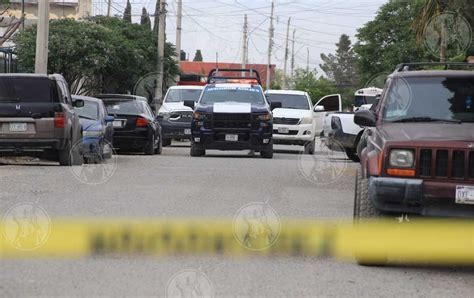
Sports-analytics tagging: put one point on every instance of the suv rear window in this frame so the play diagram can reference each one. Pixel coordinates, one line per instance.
(27, 90)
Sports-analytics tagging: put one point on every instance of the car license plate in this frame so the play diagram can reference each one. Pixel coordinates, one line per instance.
(465, 194)
(283, 130)
(232, 138)
(187, 131)
(117, 123)
(17, 127)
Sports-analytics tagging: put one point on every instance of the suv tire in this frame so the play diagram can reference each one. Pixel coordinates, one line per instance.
(159, 148)
(197, 152)
(67, 157)
(166, 142)
(365, 209)
(268, 153)
(309, 147)
(352, 154)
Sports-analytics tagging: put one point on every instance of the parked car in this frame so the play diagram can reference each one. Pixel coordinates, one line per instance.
(37, 118)
(97, 129)
(174, 116)
(295, 122)
(232, 114)
(340, 132)
(419, 157)
(135, 126)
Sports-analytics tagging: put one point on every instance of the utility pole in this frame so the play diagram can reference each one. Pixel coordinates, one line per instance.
(22, 14)
(270, 46)
(293, 58)
(179, 20)
(245, 47)
(161, 54)
(284, 85)
(109, 5)
(307, 59)
(42, 33)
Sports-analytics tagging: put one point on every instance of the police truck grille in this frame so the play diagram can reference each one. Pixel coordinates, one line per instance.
(241, 121)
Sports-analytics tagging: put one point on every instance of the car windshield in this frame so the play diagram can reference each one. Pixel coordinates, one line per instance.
(27, 90)
(290, 101)
(180, 95)
(434, 98)
(90, 110)
(124, 107)
(217, 94)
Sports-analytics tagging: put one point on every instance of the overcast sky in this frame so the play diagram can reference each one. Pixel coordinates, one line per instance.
(216, 25)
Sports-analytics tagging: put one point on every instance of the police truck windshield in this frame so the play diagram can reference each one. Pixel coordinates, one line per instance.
(217, 94)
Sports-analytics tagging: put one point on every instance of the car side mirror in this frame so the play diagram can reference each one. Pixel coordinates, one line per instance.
(275, 105)
(78, 103)
(365, 118)
(189, 103)
(109, 119)
(319, 109)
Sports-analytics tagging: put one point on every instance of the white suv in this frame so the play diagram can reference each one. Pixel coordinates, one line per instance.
(294, 123)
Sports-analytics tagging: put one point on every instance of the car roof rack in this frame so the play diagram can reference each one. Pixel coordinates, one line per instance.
(418, 65)
(214, 76)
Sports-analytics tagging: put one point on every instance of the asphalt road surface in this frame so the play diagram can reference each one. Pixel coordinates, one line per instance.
(215, 186)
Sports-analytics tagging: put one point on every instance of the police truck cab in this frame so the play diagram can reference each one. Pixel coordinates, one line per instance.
(232, 114)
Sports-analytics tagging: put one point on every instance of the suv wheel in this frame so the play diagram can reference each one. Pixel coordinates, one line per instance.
(309, 147)
(267, 153)
(150, 147)
(69, 157)
(197, 152)
(352, 154)
(365, 209)
(166, 142)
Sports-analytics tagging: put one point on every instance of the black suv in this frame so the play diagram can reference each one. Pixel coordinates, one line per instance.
(232, 114)
(37, 118)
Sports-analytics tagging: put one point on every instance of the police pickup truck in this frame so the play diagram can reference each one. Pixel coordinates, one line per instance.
(232, 114)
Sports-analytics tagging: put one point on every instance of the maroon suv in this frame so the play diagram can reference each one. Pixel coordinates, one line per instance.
(419, 157)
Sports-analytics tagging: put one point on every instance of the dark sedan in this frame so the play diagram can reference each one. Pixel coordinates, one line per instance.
(135, 126)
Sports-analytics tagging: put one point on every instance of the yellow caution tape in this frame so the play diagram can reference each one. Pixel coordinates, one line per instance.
(420, 241)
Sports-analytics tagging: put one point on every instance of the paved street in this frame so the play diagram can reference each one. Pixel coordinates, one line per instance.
(215, 186)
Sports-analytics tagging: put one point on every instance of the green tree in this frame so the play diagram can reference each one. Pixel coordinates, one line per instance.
(341, 67)
(316, 87)
(100, 55)
(127, 14)
(145, 19)
(198, 56)
(389, 39)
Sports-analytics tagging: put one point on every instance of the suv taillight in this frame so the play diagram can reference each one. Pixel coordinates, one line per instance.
(141, 122)
(59, 120)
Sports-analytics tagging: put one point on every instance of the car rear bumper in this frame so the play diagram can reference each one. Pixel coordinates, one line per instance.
(134, 139)
(416, 196)
(209, 139)
(170, 130)
(21, 145)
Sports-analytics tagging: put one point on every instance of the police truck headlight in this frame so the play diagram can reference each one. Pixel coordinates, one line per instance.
(402, 158)
(306, 120)
(199, 116)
